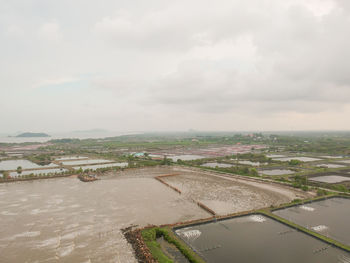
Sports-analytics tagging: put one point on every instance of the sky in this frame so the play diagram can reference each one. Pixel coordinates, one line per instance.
(160, 65)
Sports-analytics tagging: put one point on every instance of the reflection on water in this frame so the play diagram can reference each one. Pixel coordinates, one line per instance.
(67, 220)
(257, 239)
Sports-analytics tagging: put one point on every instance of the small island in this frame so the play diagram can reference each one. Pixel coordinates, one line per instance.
(32, 134)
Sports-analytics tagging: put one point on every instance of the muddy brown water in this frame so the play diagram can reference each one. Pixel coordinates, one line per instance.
(257, 239)
(330, 217)
(226, 196)
(66, 220)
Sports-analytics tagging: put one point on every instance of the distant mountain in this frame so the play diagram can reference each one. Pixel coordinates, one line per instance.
(33, 134)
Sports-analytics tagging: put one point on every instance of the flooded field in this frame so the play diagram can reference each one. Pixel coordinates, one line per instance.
(330, 217)
(275, 156)
(330, 165)
(345, 161)
(277, 172)
(97, 166)
(227, 195)
(221, 165)
(332, 179)
(66, 220)
(25, 164)
(257, 239)
(42, 171)
(331, 156)
(302, 159)
(64, 158)
(250, 163)
(90, 161)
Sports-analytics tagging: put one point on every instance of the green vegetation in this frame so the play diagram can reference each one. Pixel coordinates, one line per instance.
(40, 159)
(294, 162)
(151, 234)
(300, 182)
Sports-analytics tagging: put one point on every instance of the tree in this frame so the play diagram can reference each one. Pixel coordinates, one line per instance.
(294, 162)
(19, 169)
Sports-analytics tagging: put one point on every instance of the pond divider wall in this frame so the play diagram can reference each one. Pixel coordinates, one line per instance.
(201, 205)
(159, 178)
(309, 201)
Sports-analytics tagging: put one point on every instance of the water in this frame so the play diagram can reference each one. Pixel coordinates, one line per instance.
(90, 161)
(221, 165)
(66, 220)
(25, 164)
(249, 163)
(331, 156)
(345, 161)
(36, 172)
(256, 239)
(303, 159)
(330, 179)
(226, 195)
(275, 155)
(330, 165)
(65, 158)
(277, 172)
(97, 166)
(334, 213)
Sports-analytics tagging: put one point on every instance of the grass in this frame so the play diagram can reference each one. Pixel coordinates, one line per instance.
(150, 236)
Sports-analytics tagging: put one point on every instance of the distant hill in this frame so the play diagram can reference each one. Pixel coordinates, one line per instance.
(33, 134)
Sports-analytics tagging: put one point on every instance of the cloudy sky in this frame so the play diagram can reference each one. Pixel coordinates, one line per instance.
(174, 65)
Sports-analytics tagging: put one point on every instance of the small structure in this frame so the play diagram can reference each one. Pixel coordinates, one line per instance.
(87, 178)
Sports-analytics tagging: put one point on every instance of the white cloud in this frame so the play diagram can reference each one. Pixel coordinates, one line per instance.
(50, 31)
(262, 63)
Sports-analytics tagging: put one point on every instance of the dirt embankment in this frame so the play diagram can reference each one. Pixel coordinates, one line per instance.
(142, 252)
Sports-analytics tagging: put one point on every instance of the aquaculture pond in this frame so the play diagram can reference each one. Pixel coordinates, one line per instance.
(220, 165)
(345, 161)
(66, 220)
(36, 172)
(250, 163)
(330, 217)
(277, 172)
(90, 161)
(256, 238)
(302, 159)
(330, 165)
(65, 158)
(25, 164)
(331, 179)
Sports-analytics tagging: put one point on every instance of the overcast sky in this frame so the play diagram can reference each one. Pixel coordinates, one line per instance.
(174, 65)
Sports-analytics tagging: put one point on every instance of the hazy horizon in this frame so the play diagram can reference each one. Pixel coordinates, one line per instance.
(173, 66)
